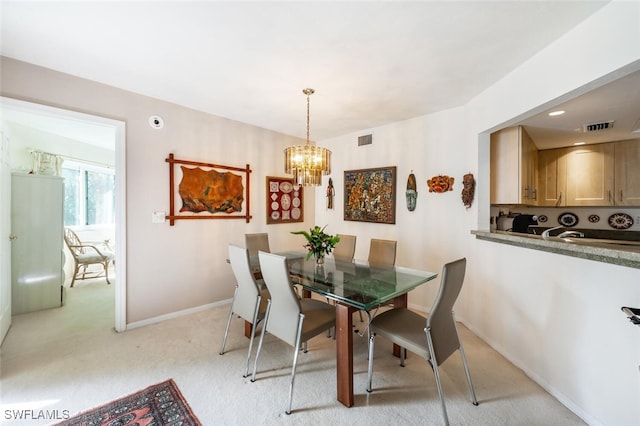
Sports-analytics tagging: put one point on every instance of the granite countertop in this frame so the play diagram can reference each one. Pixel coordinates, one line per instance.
(617, 254)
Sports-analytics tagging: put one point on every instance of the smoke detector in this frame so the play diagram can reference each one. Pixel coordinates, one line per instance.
(595, 127)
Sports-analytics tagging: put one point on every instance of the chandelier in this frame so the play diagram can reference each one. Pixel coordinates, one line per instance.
(307, 163)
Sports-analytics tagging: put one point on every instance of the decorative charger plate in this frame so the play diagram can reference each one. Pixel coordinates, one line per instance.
(568, 219)
(620, 221)
(286, 187)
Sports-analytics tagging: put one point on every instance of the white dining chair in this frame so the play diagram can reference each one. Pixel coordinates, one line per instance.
(249, 298)
(292, 320)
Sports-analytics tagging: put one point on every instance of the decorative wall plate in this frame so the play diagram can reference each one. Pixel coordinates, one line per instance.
(620, 221)
(543, 218)
(286, 187)
(285, 202)
(594, 218)
(568, 219)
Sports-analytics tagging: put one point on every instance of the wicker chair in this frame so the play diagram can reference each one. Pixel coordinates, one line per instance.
(86, 254)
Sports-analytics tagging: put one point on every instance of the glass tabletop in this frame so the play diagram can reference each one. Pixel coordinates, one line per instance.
(357, 283)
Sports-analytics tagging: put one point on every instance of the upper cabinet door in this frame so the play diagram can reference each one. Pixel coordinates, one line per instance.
(552, 177)
(590, 175)
(627, 173)
(513, 167)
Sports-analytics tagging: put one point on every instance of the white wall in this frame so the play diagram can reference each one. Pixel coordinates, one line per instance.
(24, 139)
(556, 317)
(170, 268)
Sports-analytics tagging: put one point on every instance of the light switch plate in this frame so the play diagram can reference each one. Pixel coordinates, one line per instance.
(158, 217)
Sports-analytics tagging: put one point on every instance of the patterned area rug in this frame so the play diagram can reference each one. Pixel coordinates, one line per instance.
(158, 405)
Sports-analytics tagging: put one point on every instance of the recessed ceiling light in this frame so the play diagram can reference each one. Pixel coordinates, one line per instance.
(579, 143)
(554, 113)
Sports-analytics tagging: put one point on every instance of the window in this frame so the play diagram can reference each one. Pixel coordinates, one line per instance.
(89, 194)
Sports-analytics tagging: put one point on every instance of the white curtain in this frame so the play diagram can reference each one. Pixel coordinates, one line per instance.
(46, 164)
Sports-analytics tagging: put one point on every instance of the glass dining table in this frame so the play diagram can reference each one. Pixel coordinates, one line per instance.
(353, 286)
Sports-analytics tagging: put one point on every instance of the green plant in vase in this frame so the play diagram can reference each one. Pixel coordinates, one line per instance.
(318, 243)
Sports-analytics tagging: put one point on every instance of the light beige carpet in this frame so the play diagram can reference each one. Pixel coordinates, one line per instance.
(69, 360)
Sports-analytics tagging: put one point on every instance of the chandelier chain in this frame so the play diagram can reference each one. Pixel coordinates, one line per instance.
(308, 92)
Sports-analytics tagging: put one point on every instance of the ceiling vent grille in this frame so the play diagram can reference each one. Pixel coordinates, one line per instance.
(596, 127)
(365, 140)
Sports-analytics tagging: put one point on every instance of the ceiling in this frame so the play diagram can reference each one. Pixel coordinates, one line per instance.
(616, 103)
(371, 63)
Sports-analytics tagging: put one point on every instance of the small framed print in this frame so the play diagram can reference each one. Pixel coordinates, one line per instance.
(284, 201)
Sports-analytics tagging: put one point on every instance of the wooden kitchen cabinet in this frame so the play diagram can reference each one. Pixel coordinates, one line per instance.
(590, 179)
(514, 159)
(552, 177)
(627, 173)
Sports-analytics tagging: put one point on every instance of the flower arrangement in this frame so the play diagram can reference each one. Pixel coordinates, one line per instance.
(318, 243)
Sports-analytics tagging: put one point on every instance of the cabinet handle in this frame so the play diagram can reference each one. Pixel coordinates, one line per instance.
(609, 195)
(13, 237)
(559, 199)
(535, 195)
(621, 195)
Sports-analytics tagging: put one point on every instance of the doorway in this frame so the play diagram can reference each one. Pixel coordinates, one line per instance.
(80, 126)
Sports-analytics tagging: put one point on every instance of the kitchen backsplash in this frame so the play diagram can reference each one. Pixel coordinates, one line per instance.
(602, 218)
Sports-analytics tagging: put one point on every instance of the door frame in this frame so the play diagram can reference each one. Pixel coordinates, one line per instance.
(120, 190)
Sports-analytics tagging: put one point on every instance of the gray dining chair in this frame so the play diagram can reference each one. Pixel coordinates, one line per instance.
(382, 252)
(292, 320)
(437, 341)
(249, 299)
(257, 242)
(346, 248)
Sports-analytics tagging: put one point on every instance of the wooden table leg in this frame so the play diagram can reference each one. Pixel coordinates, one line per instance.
(399, 302)
(344, 353)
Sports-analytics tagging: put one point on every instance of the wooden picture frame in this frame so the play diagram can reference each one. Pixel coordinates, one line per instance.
(370, 195)
(208, 193)
(285, 201)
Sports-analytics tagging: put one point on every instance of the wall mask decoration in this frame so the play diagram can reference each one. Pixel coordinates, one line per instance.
(330, 194)
(468, 189)
(412, 192)
(440, 183)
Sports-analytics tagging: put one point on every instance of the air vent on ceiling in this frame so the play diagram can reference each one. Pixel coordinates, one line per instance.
(595, 127)
(365, 140)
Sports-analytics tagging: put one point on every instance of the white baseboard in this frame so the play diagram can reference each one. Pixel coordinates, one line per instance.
(176, 314)
(562, 398)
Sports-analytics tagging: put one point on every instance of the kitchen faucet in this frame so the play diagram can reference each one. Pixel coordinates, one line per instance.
(545, 234)
(565, 234)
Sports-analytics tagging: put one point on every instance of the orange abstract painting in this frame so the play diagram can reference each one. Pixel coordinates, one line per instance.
(210, 191)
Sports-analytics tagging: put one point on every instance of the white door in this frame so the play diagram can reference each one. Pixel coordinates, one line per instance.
(5, 237)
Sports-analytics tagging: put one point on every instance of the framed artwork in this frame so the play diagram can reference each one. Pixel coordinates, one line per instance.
(370, 195)
(208, 191)
(284, 201)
